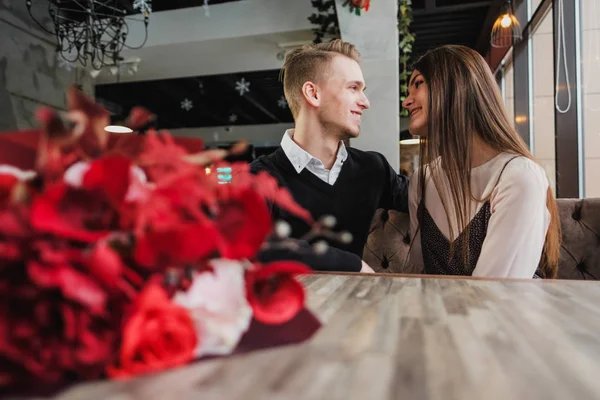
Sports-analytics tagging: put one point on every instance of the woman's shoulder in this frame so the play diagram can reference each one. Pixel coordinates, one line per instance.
(522, 168)
(522, 174)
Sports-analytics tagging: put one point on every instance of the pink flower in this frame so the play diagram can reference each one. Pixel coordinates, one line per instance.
(217, 302)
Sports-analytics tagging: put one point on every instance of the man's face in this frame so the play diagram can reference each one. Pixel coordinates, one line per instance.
(342, 98)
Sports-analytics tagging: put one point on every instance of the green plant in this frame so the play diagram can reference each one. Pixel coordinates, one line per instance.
(325, 18)
(406, 39)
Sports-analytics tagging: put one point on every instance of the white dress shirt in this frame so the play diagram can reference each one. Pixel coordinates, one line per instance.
(301, 159)
(517, 227)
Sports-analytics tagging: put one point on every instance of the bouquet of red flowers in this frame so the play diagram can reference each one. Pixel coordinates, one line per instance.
(118, 263)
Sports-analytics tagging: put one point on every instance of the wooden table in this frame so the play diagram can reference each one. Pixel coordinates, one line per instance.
(409, 338)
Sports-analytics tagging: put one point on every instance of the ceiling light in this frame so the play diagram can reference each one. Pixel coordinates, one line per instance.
(118, 129)
(506, 31)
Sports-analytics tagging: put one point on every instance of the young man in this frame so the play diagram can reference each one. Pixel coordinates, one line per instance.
(324, 87)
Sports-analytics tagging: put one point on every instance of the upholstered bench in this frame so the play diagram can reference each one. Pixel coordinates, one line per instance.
(387, 246)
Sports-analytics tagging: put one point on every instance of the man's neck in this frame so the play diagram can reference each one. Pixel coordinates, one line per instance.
(317, 143)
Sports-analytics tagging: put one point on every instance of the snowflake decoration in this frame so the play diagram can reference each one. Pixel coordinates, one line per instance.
(145, 6)
(206, 9)
(282, 102)
(187, 104)
(233, 118)
(242, 86)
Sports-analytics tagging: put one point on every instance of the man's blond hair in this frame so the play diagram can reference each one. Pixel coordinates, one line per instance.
(310, 63)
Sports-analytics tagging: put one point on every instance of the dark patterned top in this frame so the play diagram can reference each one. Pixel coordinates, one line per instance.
(436, 248)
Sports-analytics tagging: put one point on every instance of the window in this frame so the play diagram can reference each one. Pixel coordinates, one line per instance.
(542, 104)
(590, 95)
(508, 90)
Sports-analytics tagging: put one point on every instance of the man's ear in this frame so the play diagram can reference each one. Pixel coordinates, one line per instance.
(311, 93)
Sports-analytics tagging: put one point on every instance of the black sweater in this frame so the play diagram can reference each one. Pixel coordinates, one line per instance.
(366, 182)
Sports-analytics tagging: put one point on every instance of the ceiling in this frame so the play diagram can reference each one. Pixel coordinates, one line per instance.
(166, 5)
(439, 22)
(177, 4)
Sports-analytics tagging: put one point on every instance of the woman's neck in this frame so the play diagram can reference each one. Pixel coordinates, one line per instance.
(481, 152)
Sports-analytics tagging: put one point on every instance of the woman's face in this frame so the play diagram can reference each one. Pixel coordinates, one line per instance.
(417, 104)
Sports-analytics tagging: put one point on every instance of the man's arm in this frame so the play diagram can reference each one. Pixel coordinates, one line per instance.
(333, 259)
(395, 194)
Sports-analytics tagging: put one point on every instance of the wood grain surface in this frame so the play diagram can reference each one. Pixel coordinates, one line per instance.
(391, 337)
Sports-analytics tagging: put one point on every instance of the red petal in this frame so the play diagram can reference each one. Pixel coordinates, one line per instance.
(91, 119)
(46, 217)
(186, 244)
(244, 223)
(10, 251)
(52, 125)
(110, 174)
(7, 183)
(13, 222)
(74, 285)
(268, 187)
(139, 117)
(106, 265)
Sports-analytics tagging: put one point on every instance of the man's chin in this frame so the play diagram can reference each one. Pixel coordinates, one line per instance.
(351, 134)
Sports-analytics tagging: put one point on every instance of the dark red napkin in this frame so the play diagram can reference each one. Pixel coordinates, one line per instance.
(260, 336)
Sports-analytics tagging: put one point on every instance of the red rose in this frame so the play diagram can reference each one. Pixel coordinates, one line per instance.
(158, 335)
(243, 221)
(274, 294)
(73, 213)
(55, 320)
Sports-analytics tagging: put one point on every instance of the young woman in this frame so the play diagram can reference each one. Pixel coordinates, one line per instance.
(479, 203)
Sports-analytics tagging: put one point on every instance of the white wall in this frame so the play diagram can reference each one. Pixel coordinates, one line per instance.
(236, 37)
(30, 75)
(218, 56)
(226, 21)
(375, 34)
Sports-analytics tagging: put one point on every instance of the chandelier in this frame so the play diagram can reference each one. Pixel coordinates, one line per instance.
(92, 32)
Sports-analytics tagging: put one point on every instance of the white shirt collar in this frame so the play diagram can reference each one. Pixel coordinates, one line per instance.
(300, 158)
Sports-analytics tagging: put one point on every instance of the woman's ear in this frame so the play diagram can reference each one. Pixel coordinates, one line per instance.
(311, 94)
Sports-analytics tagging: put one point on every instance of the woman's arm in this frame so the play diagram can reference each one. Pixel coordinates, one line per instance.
(517, 227)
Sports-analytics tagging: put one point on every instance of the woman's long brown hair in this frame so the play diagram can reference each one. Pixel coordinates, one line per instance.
(464, 101)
